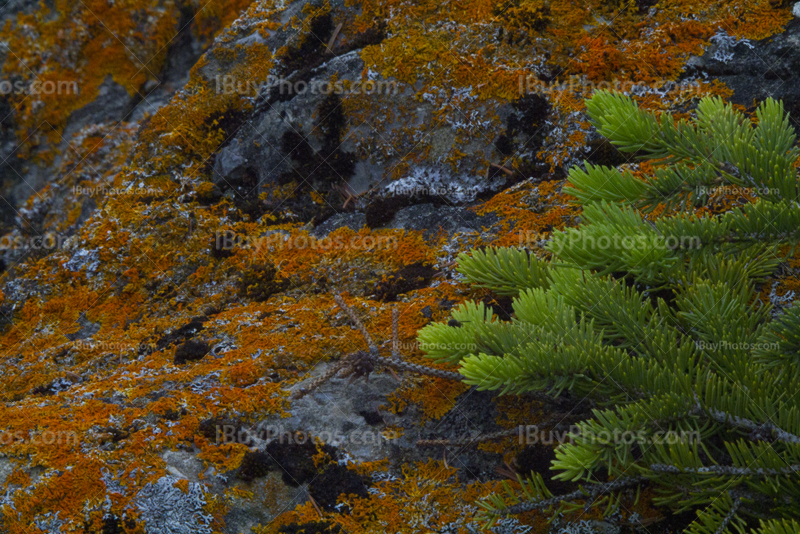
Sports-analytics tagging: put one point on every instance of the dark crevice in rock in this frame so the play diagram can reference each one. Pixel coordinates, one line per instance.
(336, 480)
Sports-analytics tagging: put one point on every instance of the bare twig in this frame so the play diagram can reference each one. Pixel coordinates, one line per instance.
(321, 380)
(504, 169)
(334, 36)
(316, 506)
(354, 318)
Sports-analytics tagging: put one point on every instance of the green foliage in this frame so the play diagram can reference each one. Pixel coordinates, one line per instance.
(657, 325)
(506, 271)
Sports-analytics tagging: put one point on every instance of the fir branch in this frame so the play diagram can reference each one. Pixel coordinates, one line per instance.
(757, 428)
(726, 470)
(593, 491)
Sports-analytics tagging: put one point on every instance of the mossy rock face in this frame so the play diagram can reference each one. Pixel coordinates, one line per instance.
(191, 351)
(255, 464)
(336, 480)
(409, 278)
(167, 205)
(293, 454)
(259, 282)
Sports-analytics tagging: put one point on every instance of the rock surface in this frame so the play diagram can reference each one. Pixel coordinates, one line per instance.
(204, 220)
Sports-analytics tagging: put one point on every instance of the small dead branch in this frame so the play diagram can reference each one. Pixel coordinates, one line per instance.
(334, 36)
(362, 363)
(504, 169)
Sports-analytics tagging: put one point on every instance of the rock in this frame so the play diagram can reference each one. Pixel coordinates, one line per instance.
(88, 260)
(756, 70)
(796, 10)
(184, 333)
(229, 164)
(112, 104)
(87, 329)
(430, 219)
(332, 412)
(473, 413)
(259, 282)
(354, 221)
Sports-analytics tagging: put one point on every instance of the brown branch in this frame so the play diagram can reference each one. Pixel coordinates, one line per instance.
(354, 318)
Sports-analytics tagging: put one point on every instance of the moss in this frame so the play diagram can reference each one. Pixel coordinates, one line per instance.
(217, 429)
(296, 146)
(501, 306)
(504, 144)
(224, 244)
(255, 464)
(312, 44)
(334, 481)
(409, 278)
(182, 333)
(259, 282)
(190, 351)
(110, 524)
(331, 122)
(371, 418)
(294, 455)
(331, 165)
(601, 152)
(531, 112)
(381, 210)
(208, 193)
(525, 15)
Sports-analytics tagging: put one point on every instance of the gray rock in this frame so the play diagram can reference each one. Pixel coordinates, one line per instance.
(230, 163)
(87, 329)
(353, 220)
(111, 105)
(11, 8)
(757, 70)
(430, 218)
(334, 412)
(6, 468)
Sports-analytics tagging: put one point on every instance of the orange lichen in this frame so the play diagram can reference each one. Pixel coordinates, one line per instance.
(87, 356)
